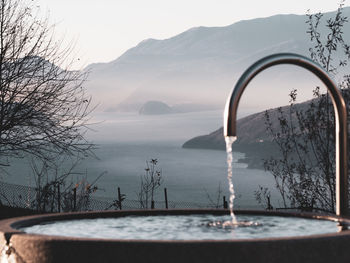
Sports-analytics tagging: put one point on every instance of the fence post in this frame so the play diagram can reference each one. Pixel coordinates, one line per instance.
(224, 202)
(119, 199)
(152, 204)
(166, 198)
(269, 206)
(74, 199)
(58, 198)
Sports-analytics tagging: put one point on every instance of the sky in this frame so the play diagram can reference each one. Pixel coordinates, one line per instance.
(102, 30)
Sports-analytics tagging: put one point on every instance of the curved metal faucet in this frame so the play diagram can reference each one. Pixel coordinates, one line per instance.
(339, 111)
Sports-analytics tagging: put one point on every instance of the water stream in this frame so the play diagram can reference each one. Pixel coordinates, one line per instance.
(229, 142)
(233, 223)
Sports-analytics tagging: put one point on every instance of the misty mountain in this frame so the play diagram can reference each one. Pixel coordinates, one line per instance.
(201, 65)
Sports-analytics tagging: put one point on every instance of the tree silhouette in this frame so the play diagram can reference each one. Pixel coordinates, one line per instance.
(305, 171)
(43, 107)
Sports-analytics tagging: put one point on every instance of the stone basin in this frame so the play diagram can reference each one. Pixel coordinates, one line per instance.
(23, 247)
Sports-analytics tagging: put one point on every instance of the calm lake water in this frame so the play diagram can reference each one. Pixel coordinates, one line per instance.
(126, 141)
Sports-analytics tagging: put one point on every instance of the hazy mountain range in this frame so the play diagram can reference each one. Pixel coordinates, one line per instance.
(200, 66)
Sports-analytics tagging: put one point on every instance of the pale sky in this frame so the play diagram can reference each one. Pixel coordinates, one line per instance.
(104, 29)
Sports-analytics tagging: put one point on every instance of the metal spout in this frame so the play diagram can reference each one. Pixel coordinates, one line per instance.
(230, 114)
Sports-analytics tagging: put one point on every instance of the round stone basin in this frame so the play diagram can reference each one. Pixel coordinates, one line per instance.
(175, 236)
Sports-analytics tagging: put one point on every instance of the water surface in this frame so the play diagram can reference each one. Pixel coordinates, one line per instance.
(189, 227)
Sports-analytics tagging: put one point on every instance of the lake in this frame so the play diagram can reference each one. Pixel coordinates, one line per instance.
(127, 140)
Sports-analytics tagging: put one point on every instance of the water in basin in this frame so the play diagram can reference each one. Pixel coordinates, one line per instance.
(185, 227)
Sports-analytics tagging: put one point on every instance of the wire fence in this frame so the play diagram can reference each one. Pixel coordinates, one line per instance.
(19, 196)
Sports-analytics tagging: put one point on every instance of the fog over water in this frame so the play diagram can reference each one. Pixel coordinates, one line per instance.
(166, 128)
(127, 140)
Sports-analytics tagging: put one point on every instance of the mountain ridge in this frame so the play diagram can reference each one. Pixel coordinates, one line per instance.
(199, 65)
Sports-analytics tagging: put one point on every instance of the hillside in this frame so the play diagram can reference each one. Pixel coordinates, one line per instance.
(252, 138)
(200, 65)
